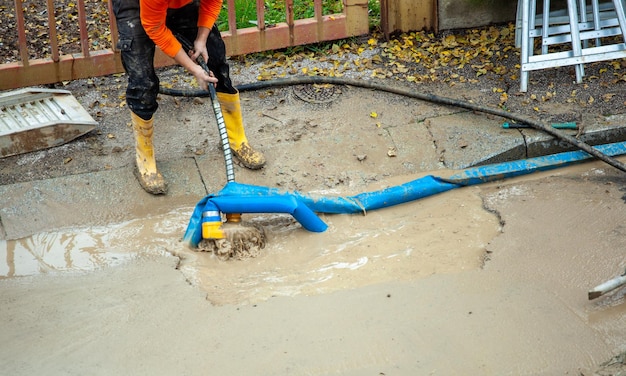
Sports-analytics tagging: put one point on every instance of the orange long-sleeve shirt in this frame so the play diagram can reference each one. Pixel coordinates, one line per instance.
(154, 12)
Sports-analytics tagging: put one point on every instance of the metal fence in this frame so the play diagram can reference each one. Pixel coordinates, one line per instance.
(64, 40)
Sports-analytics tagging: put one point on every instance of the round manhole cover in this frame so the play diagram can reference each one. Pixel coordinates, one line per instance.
(317, 93)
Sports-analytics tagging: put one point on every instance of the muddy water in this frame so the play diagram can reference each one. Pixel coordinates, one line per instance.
(488, 280)
(87, 249)
(564, 234)
(397, 244)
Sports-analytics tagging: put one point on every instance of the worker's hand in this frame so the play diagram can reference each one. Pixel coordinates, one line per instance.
(199, 49)
(204, 79)
(199, 45)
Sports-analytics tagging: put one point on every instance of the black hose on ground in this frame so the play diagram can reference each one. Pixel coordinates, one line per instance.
(368, 84)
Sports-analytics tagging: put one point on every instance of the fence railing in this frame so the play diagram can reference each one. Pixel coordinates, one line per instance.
(36, 32)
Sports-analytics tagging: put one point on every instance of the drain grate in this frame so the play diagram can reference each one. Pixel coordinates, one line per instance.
(34, 119)
(317, 93)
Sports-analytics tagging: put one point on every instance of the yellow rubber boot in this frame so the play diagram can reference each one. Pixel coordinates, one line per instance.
(149, 177)
(231, 109)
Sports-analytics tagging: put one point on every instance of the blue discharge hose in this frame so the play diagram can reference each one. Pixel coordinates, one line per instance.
(244, 198)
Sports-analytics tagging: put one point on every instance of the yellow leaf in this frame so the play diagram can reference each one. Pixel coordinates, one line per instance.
(449, 41)
(608, 97)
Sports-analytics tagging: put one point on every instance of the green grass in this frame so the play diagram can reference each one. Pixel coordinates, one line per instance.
(245, 11)
(373, 12)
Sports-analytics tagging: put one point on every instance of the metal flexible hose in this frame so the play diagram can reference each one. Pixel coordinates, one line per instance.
(217, 110)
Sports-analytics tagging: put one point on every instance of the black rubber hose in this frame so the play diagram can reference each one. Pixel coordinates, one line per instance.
(412, 94)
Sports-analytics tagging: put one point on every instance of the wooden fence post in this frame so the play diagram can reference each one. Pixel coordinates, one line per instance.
(408, 15)
(356, 14)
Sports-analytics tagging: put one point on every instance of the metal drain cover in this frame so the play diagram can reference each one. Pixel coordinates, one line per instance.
(317, 93)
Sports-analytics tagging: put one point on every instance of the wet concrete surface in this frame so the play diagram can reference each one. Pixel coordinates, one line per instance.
(491, 279)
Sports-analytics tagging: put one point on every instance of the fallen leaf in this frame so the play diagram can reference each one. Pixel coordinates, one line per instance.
(607, 97)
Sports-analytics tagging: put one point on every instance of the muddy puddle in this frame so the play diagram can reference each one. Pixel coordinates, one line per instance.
(86, 249)
(447, 233)
(402, 243)
(502, 273)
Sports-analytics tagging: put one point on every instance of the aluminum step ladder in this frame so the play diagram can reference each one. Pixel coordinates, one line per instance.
(33, 119)
(565, 35)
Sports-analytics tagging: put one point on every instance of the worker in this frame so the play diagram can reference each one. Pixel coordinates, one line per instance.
(144, 24)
